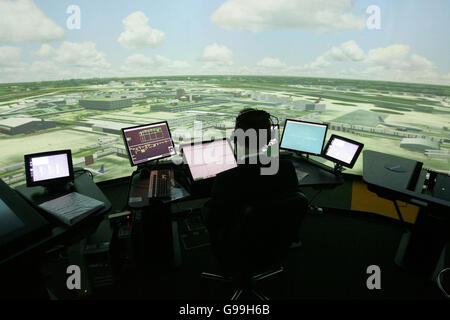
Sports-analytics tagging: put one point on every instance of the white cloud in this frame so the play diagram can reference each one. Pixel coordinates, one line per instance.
(317, 16)
(10, 56)
(11, 66)
(138, 34)
(138, 60)
(49, 69)
(44, 51)
(139, 64)
(348, 51)
(269, 62)
(83, 54)
(395, 63)
(69, 60)
(23, 21)
(395, 55)
(163, 62)
(217, 55)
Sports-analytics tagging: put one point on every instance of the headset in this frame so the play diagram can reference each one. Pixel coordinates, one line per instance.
(257, 113)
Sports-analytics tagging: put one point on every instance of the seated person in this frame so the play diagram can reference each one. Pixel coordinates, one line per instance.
(246, 182)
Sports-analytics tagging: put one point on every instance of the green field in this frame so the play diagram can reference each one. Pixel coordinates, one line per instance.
(14, 148)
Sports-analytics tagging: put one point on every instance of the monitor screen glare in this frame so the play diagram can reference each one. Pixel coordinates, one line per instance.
(206, 160)
(149, 142)
(49, 167)
(304, 137)
(342, 150)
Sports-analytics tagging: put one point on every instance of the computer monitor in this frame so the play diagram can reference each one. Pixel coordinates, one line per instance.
(209, 158)
(49, 168)
(148, 142)
(305, 137)
(342, 151)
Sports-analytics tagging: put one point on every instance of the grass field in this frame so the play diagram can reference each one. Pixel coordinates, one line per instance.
(115, 167)
(14, 148)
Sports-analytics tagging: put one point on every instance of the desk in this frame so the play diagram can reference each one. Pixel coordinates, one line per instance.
(20, 268)
(83, 184)
(160, 230)
(158, 212)
(420, 249)
(319, 176)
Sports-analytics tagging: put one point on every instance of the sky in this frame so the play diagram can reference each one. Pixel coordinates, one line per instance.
(401, 40)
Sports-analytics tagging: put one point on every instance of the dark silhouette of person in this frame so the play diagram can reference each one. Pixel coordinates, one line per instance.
(237, 186)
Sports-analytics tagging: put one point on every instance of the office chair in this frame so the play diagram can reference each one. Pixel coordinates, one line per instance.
(256, 247)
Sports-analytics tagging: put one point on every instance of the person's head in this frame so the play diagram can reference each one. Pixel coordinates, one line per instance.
(253, 121)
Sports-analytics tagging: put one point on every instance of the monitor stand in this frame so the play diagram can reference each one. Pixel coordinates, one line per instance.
(144, 169)
(338, 168)
(60, 188)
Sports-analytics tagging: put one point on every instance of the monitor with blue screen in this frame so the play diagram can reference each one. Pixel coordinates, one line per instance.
(304, 137)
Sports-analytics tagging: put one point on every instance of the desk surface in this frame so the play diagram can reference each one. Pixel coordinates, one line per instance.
(395, 182)
(318, 177)
(83, 184)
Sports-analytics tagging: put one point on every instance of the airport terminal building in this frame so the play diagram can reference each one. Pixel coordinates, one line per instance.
(14, 126)
(106, 103)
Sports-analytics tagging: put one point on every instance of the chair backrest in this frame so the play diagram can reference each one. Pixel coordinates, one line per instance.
(265, 231)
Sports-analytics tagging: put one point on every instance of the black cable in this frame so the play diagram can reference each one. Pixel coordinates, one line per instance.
(439, 282)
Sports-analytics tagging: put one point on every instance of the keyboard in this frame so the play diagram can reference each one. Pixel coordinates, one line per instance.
(71, 207)
(160, 183)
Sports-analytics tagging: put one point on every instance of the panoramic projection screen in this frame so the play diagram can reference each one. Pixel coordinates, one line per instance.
(77, 74)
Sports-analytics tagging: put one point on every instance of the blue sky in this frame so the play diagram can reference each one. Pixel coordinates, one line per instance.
(280, 37)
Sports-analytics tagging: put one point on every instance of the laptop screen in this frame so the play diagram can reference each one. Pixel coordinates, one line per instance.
(207, 159)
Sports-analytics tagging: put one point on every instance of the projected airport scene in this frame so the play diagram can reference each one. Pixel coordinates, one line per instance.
(70, 84)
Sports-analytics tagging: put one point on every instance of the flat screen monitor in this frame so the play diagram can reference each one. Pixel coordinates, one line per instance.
(342, 150)
(304, 137)
(207, 159)
(149, 142)
(49, 168)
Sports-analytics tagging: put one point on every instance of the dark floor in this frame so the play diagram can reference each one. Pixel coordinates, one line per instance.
(337, 247)
(336, 250)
